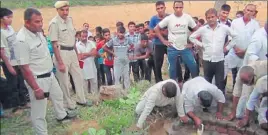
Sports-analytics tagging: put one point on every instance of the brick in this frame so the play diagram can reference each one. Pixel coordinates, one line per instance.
(230, 129)
(234, 133)
(221, 130)
(231, 125)
(210, 127)
(250, 130)
(221, 123)
(241, 130)
(260, 132)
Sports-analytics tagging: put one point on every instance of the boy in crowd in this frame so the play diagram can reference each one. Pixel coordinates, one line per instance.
(146, 24)
(134, 37)
(121, 45)
(141, 28)
(100, 67)
(9, 64)
(223, 16)
(159, 48)
(144, 53)
(239, 14)
(108, 58)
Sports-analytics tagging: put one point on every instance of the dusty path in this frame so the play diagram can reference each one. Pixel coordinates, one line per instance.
(107, 16)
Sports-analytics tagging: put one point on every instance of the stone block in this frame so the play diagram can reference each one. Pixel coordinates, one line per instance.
(260, 131)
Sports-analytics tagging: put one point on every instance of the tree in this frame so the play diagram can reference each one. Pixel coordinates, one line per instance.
(218, 4)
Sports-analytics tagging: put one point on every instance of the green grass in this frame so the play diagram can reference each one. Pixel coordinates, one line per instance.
(13, 4)
(113, 116)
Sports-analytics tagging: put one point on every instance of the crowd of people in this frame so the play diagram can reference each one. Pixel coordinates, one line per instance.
(85, 61)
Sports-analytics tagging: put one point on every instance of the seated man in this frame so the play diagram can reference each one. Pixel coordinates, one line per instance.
(197, 94)
(161, 94)
(260, 90)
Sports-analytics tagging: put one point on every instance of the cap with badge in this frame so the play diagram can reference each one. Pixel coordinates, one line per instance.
(60, 4)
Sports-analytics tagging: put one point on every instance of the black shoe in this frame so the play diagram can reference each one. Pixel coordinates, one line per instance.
(88, 104)
(205, 109)
(68, 117)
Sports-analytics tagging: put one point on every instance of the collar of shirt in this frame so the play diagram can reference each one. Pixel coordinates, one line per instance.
(31, 34)
(131, 35)
(218, 25)
(62, 20)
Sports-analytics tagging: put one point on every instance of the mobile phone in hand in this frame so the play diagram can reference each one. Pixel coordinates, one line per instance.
(46, 94)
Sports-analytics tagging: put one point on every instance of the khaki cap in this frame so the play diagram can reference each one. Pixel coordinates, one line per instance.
(60, 4)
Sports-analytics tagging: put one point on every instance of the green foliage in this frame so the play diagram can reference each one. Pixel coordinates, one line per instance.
(122, 114)
(93, 131)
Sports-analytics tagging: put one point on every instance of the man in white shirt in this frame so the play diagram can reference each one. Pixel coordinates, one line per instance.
(198, 94)
(259, 92)
(213, 39)
(245, 81)
(245, 27)
(87, 53)
(257, 48)
(134, 37)
(177, 24)
(161, 94)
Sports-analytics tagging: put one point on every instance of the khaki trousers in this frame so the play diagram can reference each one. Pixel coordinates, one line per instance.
(39, 107)
(70, 61)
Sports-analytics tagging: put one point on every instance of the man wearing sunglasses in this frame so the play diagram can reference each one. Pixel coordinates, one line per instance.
(245, 81)
(177, 43)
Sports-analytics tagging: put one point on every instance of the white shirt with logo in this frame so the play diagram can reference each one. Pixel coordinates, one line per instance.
(178, 29)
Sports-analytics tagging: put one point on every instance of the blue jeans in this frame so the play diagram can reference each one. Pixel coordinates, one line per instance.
(107, 71)
(186, 56)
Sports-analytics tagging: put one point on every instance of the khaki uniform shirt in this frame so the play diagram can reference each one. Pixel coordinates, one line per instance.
(31, 48)
(62, 31)
(260, 69)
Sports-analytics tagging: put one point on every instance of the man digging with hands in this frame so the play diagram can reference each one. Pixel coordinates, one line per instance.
(161, 94)
(199, 95)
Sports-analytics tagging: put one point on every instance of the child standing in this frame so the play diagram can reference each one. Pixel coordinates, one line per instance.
(121, 45)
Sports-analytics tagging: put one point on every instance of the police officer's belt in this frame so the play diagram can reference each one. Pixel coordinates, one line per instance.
(66, 48)
(44, 75)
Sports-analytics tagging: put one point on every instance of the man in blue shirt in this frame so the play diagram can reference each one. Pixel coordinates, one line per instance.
(159, 48)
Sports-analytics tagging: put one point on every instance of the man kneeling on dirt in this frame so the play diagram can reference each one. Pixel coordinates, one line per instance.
(161, 94)
(259, 92)
(199, 95)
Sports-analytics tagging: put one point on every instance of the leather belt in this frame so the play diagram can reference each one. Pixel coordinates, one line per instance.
(44, 75)
(66, 48)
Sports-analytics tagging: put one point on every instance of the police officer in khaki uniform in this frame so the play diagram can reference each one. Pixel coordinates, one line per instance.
(62, 35)
(36, 65)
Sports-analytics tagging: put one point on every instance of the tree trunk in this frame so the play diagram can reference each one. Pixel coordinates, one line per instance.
(218, 4)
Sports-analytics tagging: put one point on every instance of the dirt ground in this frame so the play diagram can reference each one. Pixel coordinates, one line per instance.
(107, 16)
